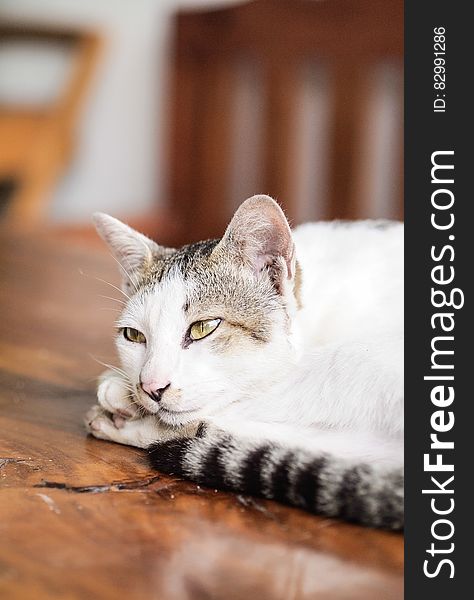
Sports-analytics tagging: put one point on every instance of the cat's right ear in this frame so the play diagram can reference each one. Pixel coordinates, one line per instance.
(133, 250)
(259, 236)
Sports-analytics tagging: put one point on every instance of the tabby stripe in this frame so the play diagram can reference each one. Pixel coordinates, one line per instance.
(201, 430)
(280, 480)
(169, 456)
(251, 474)
(351, 494)
(212, 472)
(307, 484)
(391, 499)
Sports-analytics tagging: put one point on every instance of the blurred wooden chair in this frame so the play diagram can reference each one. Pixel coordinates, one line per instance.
(36, 141)
(254, 88)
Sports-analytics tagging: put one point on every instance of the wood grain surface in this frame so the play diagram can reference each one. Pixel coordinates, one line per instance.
(84, 519)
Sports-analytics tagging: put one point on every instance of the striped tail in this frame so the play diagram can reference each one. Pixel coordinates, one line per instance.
(322, 484)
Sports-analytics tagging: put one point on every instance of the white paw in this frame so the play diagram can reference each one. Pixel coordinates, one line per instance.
(137, 432)
(114, 397)
(99, 423)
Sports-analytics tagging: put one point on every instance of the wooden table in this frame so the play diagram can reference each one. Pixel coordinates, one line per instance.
(82, 518)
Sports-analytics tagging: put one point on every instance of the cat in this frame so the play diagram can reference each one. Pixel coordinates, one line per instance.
(269, 362)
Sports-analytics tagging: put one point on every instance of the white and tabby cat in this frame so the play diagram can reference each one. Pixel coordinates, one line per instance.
(269, 362)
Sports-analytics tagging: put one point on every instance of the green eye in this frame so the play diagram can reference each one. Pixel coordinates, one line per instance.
(201, 329)
(133, 335)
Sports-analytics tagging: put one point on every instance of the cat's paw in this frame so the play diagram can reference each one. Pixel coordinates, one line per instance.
(105, 425)
(102, 423)
(99, 422)
(114, 397)
(132, 432)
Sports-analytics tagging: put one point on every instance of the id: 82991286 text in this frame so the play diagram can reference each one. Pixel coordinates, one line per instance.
(439, 69)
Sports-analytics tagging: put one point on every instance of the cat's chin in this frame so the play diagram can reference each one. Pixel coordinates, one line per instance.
(177, 418)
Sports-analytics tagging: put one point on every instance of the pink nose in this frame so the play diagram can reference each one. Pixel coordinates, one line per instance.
(154, 389)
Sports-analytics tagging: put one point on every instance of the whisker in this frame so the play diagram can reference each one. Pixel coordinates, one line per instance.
(114, 286)
(134, 282)
(131, 396)
(109, 366)
(81, 272)
(118, 371)
(111, 298)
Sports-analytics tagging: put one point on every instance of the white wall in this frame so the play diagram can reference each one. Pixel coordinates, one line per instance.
(118, 165)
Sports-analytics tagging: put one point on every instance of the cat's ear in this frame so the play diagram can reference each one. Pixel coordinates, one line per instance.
(259, 235)
(133, 250)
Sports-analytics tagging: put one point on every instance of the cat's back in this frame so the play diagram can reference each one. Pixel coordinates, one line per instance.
(352, 278)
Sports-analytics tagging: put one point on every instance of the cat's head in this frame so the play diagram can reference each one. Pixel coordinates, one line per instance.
(207, 324)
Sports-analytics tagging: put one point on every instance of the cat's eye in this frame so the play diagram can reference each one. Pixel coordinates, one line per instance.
(133, 335)
(201, 329)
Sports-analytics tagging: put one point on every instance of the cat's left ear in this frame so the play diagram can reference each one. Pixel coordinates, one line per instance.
(260, 237)
(133, 250)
